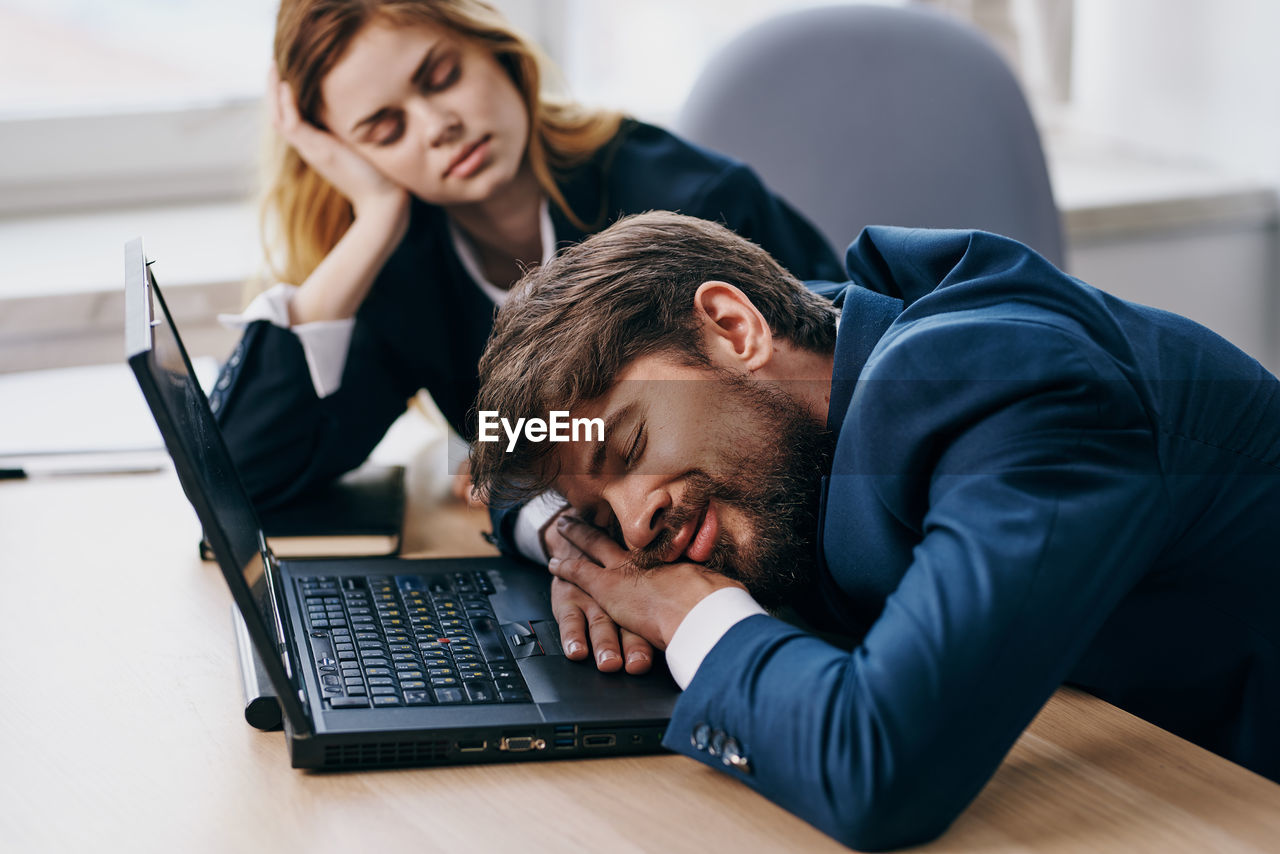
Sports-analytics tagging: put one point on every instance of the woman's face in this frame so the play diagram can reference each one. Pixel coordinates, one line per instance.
(433, 112)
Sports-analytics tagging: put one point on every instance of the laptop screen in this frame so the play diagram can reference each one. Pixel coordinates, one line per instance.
(200, 456)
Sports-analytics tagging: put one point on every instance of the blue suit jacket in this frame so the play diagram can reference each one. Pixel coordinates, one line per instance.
(1034, 482)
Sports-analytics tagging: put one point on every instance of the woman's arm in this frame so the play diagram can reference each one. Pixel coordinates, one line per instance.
(337, 287)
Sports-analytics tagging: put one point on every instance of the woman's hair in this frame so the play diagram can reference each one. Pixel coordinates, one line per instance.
(303, 215)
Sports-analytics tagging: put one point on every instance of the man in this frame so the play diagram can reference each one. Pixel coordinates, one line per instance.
(995, 476)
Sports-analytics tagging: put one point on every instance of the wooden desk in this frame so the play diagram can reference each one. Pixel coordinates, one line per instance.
(114, 734)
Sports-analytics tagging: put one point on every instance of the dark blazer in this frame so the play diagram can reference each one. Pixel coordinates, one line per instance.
(1034, 483)
(424, 324)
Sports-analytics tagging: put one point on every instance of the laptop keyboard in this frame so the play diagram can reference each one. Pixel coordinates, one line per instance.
(408, 640)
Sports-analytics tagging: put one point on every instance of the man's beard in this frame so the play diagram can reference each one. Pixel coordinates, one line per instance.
(771, 474)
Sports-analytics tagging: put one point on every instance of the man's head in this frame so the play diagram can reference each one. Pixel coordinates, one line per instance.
(710, 366)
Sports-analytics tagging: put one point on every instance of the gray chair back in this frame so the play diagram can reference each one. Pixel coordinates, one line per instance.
(871, 115)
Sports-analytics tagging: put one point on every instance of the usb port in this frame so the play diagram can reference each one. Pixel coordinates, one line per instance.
(565, 729)
(599, 740)
(562, 743)
(472, 746)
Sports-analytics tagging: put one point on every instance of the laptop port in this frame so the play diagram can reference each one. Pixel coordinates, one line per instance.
(472, 746)
(521, 743)
(563, 743)
(565, 729)
(599, 740)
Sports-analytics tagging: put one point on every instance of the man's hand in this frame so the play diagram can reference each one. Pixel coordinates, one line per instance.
(650, 603)
(579, 616)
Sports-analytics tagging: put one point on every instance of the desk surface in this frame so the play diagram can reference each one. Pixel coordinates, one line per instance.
(112, 733)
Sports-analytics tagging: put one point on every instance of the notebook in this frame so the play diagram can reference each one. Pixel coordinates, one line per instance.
(386, 661)
(361, 513)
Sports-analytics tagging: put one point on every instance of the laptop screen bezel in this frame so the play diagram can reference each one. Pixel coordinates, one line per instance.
(280, 659)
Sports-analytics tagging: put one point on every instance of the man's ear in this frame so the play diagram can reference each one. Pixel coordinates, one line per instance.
(734, 331)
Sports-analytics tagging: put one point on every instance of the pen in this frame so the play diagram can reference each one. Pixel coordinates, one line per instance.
(27, 473)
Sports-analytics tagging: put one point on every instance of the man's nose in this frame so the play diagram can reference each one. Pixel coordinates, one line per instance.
(639, 503)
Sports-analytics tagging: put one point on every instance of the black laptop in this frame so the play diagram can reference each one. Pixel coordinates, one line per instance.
(386, 661)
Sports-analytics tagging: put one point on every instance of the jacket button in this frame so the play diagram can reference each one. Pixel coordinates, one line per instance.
(717, 742)
(733, 757)
(701, 735)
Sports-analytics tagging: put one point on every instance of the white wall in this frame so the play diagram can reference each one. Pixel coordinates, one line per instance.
(1198, 79)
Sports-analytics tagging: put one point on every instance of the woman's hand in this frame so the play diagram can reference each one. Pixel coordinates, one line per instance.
(335, 289)
(337, 162)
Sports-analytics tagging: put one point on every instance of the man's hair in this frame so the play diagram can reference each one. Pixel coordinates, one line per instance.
(571, 326)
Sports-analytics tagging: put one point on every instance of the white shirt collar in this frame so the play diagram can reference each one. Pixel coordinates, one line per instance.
(471, 262)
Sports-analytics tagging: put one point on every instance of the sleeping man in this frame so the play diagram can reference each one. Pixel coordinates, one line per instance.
(993, 477)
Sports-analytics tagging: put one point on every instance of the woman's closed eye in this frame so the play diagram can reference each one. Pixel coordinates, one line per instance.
(443, 74)
(387, 130)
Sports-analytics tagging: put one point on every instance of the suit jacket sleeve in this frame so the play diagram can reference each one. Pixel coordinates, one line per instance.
(283, 438)
(1040, 503)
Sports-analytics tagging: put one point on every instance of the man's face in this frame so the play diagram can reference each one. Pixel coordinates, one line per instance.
(705, 466)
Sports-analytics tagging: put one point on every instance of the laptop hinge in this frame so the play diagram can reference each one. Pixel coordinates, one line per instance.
(275, 581)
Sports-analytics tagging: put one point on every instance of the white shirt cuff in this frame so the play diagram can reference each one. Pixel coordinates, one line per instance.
(324, 343)
(702, 628)
(529, 522)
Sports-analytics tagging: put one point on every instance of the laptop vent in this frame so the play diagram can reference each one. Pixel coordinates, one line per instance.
(385, 753)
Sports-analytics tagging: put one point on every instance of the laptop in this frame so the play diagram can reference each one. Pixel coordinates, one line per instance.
(386, 661)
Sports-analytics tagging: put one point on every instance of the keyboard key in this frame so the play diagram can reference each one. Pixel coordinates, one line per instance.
(515, 697)
(346, 656)
(352, 680)
(509, 684)
(443, 681)
(417, 698)
(378, 671)
(449, 695)
(356, 690)
(382, 690)
(481, 692)
(381, 680)
(412, 684)
(348, 702)
(386, 700)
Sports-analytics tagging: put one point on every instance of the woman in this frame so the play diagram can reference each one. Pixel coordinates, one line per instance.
(421, 170)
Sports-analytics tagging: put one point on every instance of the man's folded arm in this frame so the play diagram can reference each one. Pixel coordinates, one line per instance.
(1040, 519)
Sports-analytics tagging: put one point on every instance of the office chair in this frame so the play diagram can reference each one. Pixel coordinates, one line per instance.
(862, 115)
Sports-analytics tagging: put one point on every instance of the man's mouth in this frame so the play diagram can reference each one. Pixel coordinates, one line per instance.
(696, 540)
(468, 160)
